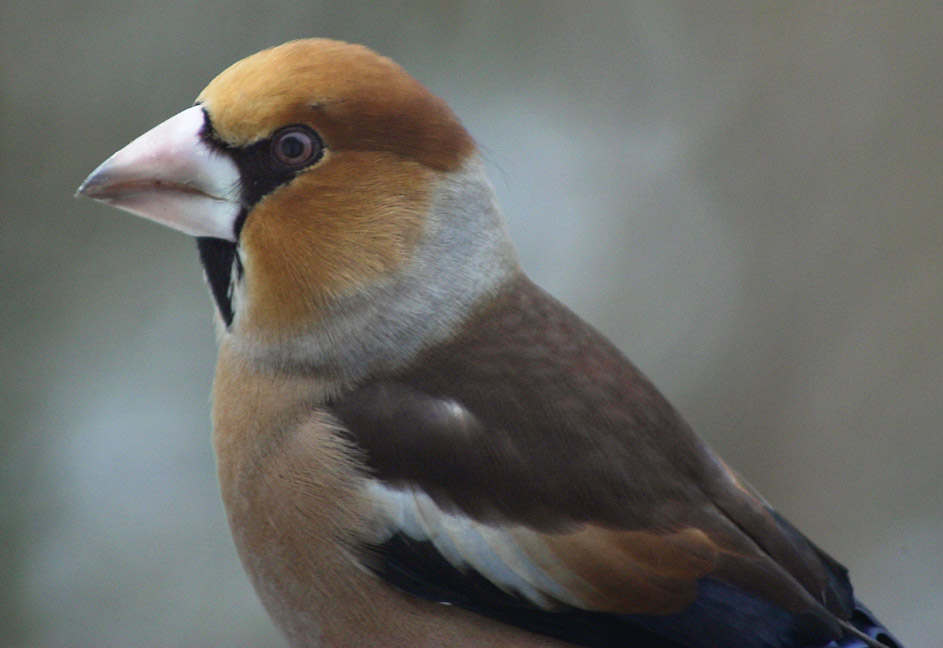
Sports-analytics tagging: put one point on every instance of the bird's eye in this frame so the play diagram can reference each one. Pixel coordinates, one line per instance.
(295, 147)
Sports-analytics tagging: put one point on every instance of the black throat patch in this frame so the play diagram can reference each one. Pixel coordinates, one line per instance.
(221, 264)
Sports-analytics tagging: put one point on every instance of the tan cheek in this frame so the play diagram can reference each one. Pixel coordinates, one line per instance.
(347, 222)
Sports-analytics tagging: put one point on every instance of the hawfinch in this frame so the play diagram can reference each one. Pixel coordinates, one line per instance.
(417, 446)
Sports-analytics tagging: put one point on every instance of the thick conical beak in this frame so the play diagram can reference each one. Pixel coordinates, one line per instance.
(170, 175)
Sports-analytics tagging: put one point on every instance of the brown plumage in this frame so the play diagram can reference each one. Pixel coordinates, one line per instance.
(557, 431)
(402, 419)
(356, 100)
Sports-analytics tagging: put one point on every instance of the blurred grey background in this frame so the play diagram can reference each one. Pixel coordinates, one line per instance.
(745, 197)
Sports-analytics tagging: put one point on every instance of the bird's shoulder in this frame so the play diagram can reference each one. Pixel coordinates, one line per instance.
(525, 401)
(526, 469)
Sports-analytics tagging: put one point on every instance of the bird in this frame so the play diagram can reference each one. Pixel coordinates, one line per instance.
(416, 445)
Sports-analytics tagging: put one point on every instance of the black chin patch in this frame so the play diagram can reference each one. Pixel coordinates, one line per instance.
(218, 256)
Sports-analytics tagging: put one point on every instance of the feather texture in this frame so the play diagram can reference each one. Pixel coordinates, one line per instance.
(529, 453)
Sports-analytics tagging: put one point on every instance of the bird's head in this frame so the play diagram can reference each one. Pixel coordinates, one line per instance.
(343, 217)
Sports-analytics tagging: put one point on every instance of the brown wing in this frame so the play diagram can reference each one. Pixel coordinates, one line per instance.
(531, 420)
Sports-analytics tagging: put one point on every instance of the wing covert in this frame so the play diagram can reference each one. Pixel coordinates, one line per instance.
(529, 459)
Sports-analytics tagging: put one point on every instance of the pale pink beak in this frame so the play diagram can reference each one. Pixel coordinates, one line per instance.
(170, 175)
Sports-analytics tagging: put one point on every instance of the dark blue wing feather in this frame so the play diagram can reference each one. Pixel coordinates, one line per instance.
(723, 616)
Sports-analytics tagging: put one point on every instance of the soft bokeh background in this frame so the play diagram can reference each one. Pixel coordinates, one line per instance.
(745, 197)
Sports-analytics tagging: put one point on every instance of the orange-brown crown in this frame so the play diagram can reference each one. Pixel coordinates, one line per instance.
(355, 98)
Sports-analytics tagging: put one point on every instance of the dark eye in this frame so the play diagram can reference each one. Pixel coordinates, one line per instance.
(295, 147)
